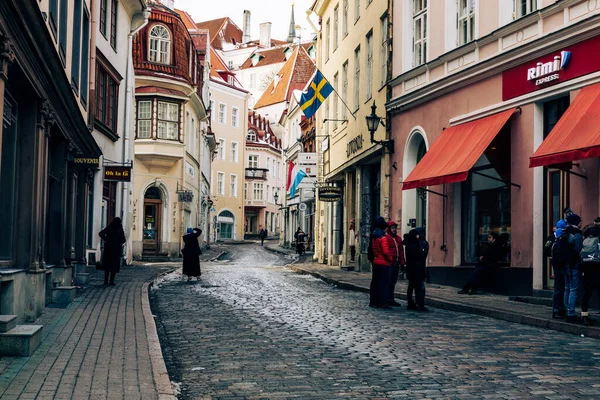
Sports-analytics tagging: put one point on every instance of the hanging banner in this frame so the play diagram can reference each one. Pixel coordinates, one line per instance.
(330, 194)
(117, 173)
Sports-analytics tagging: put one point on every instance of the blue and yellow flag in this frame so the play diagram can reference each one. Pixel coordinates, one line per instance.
(317, 93)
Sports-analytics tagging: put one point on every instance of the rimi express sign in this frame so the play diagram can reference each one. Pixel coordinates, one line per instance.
(552, 68)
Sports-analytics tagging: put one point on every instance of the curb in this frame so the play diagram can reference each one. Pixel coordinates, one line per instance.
(159, 369)
(436, 302)
(276, 250)
(217, 257)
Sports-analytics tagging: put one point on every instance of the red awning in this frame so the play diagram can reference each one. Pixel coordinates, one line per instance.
(456, 151)
(576, 135)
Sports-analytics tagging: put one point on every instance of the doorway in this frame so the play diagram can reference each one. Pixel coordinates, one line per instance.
(152, 220)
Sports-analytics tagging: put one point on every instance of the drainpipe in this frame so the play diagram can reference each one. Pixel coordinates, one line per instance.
(129, 81)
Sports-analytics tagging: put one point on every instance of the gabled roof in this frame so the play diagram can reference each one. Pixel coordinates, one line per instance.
(294, 75)
(271, 56)
(222, 30)
(187, 19)
(200, 39)
(220, 72)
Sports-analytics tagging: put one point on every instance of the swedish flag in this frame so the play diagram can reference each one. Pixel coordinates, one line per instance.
(317, 93)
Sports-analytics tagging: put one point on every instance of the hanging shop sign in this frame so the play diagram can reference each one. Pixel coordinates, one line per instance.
(87, 162)
(552, 68)
(354, 145)
(330, 193)
(185, 196)
(117, 173)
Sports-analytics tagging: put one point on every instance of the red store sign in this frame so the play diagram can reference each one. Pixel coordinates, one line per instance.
(559, 66)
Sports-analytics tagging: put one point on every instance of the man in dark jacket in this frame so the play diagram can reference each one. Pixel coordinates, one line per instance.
(397, 252)
(487, 261)
(591, 274)
(262, 234)
(572, 270)
(558, 296)
(415, 271)
(381, 258)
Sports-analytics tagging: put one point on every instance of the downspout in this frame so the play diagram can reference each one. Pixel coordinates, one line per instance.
(129, 81)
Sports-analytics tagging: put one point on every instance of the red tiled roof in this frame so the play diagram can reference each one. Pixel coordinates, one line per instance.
(187, 19)
(270, 56)
(200, 39)
(294, 75)
(222, 30)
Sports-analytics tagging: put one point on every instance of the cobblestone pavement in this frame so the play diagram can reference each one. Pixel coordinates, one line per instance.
(253, 329)
(96, 348)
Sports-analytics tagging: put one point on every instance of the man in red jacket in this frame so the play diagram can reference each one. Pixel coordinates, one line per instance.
(397, 253)
(380, 256)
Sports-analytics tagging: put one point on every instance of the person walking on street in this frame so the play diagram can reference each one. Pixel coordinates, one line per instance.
(483, 270)
(380, 256)
(397, 252)
(262, 234)
(191, 254)
(299, 236)
(114, 238)
(590, 260)
(572, 268)
(415, 271)
(558, 266)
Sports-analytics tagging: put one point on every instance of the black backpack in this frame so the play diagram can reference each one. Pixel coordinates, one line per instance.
(562, 250)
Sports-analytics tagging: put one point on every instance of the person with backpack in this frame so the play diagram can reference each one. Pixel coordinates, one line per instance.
(572, 268)
(380, 257)
(590, 263)
(561, 241)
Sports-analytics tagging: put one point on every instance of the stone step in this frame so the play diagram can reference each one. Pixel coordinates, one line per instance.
(63, 294)
(82, 279)
(20, 341)
(347, 268)
(7, 322)
(542, 301)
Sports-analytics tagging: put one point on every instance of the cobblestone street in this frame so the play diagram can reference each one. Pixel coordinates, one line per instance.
(251, 328)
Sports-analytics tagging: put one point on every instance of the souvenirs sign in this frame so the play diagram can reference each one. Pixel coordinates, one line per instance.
(330, 194)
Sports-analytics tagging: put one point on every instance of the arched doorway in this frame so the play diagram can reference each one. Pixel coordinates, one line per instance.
(226, 221)
(152, 220)
(414, 202)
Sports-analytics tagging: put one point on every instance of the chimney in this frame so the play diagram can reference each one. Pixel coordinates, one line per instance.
(265, 34)
(168, 3)
(246, 37)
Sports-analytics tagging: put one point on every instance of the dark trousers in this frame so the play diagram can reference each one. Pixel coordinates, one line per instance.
(478, 277)
(380, 282)
(419, 287)
(588, 290)
(262, 240)
(352, 252)
(393, 280)
(112, 276)
(558, 297)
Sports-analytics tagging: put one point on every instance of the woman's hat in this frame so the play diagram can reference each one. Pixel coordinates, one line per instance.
(561, 224)
(558, 232)
(190, 230)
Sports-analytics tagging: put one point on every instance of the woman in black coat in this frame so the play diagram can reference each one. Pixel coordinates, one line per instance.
(490, 259)
(415, 270)
(191, 253)
(114, 238)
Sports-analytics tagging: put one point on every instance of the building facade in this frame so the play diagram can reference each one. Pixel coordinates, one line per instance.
(169, 109)
(489, 122)
(354, 56)
(263, 178)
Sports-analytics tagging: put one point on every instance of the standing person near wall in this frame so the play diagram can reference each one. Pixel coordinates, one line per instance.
(380, 256)
(352, 240)
(482, 273)
(397, 252)
(558, 266)
(415, 271)
(114, 238)
(191, 254)
(572, 266)
(590, 263)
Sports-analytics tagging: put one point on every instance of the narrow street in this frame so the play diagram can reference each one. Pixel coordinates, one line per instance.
(252, 329)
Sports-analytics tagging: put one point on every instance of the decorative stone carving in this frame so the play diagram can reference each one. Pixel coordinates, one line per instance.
(7, 56)
(46, 117)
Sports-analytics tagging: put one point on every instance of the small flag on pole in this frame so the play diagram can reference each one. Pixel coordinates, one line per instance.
(317, 93)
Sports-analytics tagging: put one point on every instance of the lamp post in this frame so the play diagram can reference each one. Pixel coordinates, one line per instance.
(373, 121)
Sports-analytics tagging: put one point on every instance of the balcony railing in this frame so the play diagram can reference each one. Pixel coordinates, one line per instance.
(256, 173)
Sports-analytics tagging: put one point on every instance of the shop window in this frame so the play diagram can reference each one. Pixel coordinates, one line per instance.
(486, 201)
(8, 168)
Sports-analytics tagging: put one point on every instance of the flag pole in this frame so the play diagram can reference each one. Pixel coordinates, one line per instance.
(338, 95)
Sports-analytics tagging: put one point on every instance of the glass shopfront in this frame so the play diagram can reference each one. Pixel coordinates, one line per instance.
(486, 201)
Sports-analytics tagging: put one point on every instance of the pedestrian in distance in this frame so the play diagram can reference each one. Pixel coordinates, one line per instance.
(300, 236)
(114, 238)
(262, 234)
(558, 266)
(572, 270)
(484, 268)
(415, 271)
(352, 240)
(380, 257)
(590, 263)
(191, 254)
(397, 252)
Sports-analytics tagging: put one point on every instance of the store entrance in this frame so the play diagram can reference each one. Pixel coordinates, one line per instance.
(152, 218)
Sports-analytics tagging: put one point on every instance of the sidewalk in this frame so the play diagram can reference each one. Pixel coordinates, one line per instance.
(102, 346)
(446, 297)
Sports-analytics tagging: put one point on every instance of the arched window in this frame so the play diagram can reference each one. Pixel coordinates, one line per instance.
(226, 214)
(160, 45)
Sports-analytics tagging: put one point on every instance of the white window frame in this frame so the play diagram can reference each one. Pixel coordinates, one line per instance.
(159, 44)
(233, 185)
(235, 117)
(267, 166)
(369, 65)
(222, 113)
(356, 78)
(336, 26)
(327, 39)
(212, 111)
(530, 6)
(257, 192)
(419, 32)
(384, 50)
(222, 149)
(356, 10)
(268, 196)
(234, 152)
(220, 184)
(251, 136)
(245, 190)
(253, 161)
(168, 121)
(335, 102)
(344, 19)
(466, 21)
(146, 118)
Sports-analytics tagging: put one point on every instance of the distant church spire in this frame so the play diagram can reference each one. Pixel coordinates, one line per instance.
(292, 34)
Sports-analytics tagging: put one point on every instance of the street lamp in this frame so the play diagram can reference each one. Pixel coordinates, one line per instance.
(373, 121)
(276, 198)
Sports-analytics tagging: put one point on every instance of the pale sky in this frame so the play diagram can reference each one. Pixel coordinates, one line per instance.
(277, 12)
